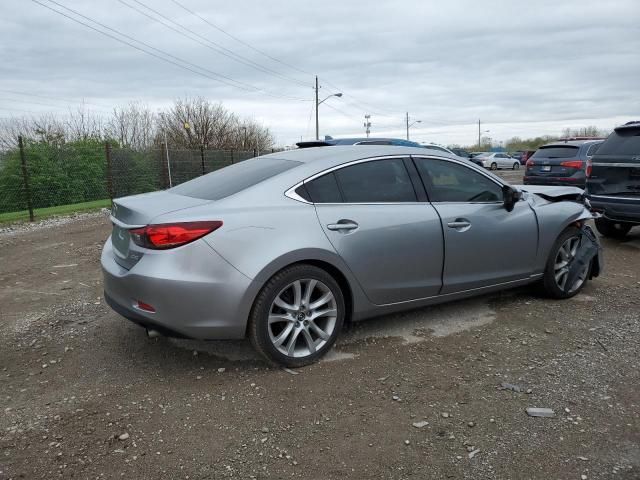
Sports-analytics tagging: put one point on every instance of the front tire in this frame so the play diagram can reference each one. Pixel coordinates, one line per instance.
(516, 166)
(556, 272)
(297, 316)
(612, 229)
(494, 166)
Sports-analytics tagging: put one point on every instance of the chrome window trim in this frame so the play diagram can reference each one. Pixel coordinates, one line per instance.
(596, 197)
(616, 164)
(291, 192)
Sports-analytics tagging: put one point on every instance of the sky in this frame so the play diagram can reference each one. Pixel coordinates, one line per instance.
(523, 68)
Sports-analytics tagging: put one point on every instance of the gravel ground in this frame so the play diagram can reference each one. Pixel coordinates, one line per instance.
(85, 394)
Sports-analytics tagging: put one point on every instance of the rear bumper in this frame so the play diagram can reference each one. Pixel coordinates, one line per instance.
(555, 181)
(194, 291)
(616, 209)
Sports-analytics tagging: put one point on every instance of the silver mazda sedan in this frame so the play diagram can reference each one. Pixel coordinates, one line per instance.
(287, 247)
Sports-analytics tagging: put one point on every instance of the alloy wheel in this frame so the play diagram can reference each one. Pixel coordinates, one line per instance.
(302, 318)
(564, 258)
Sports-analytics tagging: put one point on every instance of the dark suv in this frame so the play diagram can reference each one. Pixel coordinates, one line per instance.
(561, 163)
(613, 186)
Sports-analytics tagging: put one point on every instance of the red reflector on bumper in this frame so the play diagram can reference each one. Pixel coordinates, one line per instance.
(145, 306)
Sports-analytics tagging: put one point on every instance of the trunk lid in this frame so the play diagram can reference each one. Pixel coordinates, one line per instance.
(138, 211)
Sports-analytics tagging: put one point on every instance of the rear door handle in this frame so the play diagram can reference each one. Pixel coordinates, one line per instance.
(347, 225)
(460, 224)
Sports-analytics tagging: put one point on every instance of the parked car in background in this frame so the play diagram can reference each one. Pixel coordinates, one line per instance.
(561, 163)
(494, 161)
(526, 155)
(330, 141)
(286, 248)
(613, 181)
(461, 152)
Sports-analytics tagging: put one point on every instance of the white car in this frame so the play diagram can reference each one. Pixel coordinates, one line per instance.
(494, 161)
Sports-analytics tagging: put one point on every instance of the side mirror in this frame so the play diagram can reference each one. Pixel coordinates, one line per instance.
(510, 196)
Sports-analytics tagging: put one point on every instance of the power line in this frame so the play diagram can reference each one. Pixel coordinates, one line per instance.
(46, 97)
(40, 103)
(239, 40)
(209, 43)
(213, 75)
(341, 112)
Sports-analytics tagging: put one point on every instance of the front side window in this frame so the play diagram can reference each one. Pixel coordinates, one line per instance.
(452, 182)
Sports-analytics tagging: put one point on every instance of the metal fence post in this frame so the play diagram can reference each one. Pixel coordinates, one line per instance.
(202, 158)
(163, 166)
(107, 154)
(25, 178)
(232, 156)
(254, 152)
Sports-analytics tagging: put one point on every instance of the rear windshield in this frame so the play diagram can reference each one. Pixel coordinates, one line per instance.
(559, 151)
(622, 143)
(233, 179)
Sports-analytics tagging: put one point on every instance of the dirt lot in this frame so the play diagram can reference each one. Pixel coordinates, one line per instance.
(85, 394)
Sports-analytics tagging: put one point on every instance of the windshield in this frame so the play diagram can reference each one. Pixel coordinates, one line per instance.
(626, 142)
(557, 151)
(233, 179)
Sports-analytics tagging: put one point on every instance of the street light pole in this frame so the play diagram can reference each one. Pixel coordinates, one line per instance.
(410, 125)
(407, 119)
(317, 105)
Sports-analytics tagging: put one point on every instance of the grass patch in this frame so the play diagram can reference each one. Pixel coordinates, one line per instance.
(41, 213)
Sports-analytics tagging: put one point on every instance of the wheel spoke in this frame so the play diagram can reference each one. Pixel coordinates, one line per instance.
(284, 305)
(280, 317)
(559, 265)
(318, 331)
(291, 344)
(279, 340)
(297, 293)
(323, 313)
(321, 301)
(311, 285)
(310, 343)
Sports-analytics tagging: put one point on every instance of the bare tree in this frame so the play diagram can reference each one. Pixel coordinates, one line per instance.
(46, 128)
(83, 124)
(132, 126)
(590, 131)
(191, 123)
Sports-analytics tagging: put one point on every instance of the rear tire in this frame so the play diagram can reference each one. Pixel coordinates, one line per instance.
(516, 166)
(494, 166)
(612, 229)
(297, 316)
(558, 262)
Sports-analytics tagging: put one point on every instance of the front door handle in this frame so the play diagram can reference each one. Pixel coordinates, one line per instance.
(460, 224)
(343, 225)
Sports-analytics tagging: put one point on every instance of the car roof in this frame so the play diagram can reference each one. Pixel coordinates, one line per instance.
(572, 143)
(345, 153)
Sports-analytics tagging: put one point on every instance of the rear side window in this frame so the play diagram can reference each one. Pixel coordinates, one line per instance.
(558, 151)
(233, 179)
(376, 181)
(369, 182)
(593, 149)
(622, 143)
(324, 189)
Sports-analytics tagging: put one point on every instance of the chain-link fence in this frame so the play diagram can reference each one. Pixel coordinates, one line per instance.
(43, 179)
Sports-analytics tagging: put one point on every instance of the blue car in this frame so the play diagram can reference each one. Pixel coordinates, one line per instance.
(330, 141)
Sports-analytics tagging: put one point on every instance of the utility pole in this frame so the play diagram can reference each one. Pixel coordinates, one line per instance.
(407, 118)
(367, 124)
(479, 148)
(317, 105)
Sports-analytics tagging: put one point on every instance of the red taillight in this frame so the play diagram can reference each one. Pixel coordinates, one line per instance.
(529, 163)
(577, 164)
(171, 235)
(588, 169)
